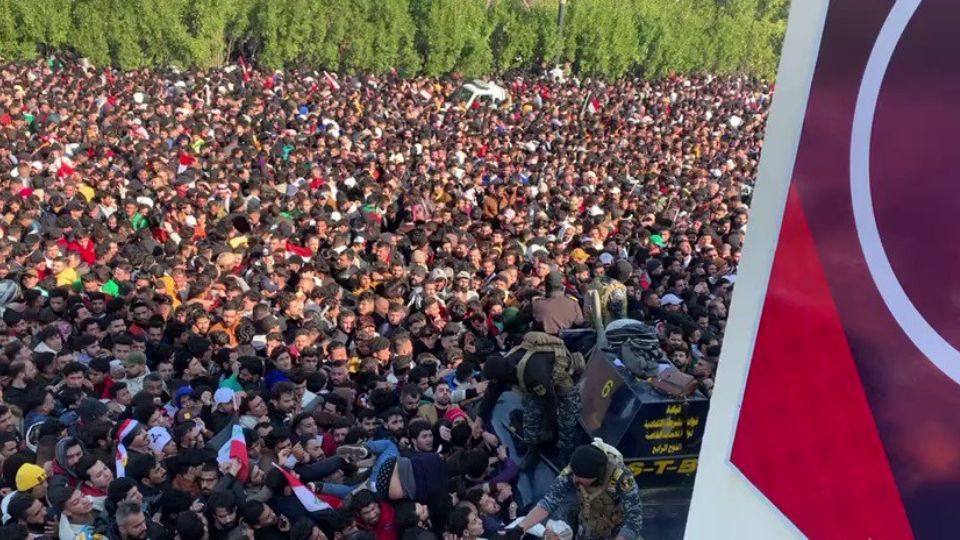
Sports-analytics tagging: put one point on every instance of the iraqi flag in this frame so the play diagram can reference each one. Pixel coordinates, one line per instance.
(307, 497)
(245, 70)
(331, 80)
(230, 443)
(126, 428)
(591, 105)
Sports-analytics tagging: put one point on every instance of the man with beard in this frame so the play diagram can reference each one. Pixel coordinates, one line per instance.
(283, 403)
(221, 514)
(372, 515)
(31, 513)
(266, 524)
(149, 473)
(23, 374)
(131, 523)
(68, 452)
(410, 400)
(135, 366)
(188, 434)
(609, 501)
(432, 412)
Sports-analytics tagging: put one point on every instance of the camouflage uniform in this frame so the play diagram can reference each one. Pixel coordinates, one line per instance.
(568, 411)
(611, 509)
(560, 393)
(532, 420)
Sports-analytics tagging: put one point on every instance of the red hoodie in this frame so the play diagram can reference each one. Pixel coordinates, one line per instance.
(85, 248)
(386, 529)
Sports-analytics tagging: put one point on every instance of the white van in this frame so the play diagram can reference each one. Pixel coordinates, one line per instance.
(484, 92)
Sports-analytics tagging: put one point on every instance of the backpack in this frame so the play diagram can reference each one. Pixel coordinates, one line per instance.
(567, 366)
(613, 300)
(637, 345)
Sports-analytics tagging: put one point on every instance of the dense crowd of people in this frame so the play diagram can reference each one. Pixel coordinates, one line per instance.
(314, 270)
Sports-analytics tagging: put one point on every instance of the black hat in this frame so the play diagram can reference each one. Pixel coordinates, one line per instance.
(588, 461)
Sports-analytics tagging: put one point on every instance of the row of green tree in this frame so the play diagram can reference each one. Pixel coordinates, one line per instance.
(599, 37)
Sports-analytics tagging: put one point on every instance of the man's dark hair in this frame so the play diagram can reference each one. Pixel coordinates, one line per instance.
(189, 524)
(51, 427)
(16, 368)
(123, 339)
(177, 465)
(275, 480)
(73, 367)
(19, 505)
(116, 388)
(252, 364)
(295, 423)
(277, 435)
(340, 423)
(316, 381)
(281, 388)
(34, 398)
(139, 465)
(409, 390)
(12, 465)
(43, 361)
(83, 466)
(393, 411)
(101, 365)
(417, 373)
(221, 499)
(361, 500)
(142, 413)
(417, 426)
(406, 515)
(475, 462)
(93, 433)
(302, 529)
(459, 520)
(68, 397)
(182, 429)
(338, 401)
(464, 372)
(251, 512)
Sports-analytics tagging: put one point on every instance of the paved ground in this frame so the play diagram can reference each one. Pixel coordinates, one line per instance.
(665, 512)
(665, 509)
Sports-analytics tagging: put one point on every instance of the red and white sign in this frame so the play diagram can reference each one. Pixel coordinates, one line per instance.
(838, 397)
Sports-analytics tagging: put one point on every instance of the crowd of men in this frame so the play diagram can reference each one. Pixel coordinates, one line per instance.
(314, 270)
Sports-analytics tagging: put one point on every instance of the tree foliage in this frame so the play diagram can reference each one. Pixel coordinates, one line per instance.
(599, 37)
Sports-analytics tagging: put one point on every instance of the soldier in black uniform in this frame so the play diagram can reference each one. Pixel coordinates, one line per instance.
(545, 373)
(556, 311)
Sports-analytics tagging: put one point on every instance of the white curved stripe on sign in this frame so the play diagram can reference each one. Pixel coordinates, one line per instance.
(943, 355)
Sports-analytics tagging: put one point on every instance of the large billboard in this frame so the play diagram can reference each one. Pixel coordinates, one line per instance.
(837, 404)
